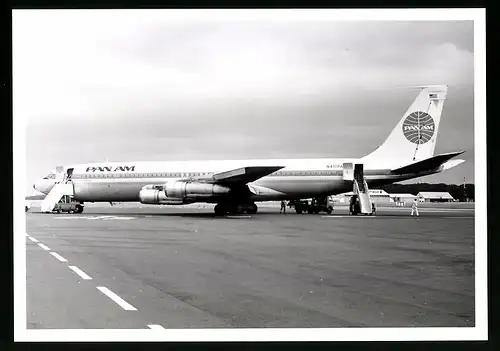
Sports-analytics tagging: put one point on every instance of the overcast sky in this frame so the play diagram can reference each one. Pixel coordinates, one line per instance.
(96, 86)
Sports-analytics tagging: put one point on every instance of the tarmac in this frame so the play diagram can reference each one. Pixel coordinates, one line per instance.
(159, 267)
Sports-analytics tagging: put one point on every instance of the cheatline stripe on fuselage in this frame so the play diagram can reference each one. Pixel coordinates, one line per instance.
(319, 173)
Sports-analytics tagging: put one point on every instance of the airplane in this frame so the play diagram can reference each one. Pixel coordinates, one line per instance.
(236, 185)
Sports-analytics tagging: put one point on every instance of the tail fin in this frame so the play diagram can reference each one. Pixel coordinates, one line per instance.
(414, 137)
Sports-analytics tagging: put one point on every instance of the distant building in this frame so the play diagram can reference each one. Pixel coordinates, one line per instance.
(402, 198)
(428, 196)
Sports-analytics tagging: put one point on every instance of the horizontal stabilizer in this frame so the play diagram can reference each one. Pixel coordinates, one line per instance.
(244, 175)
(452, 163)
(428, 164)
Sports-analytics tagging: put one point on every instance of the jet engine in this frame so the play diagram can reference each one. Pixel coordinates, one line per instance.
(157, 197)
(179, 193)
(182, 190)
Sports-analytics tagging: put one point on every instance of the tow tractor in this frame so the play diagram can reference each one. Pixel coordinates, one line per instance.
(316, 205)
(69, 205)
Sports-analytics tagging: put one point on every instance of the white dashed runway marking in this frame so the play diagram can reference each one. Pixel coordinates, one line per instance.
(59, 257)
(46, 248)
(81, 273)
(117, 299)
(155, 326)
(123, 304)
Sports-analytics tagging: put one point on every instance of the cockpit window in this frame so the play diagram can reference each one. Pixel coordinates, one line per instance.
(50, 176)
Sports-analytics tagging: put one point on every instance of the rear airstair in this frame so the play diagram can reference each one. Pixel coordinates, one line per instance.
(360, 188)
(63, 186)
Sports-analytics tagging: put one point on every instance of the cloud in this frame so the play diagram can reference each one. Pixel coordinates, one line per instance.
(89, 67)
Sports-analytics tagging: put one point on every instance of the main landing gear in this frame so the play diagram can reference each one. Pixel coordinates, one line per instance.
(227, 208)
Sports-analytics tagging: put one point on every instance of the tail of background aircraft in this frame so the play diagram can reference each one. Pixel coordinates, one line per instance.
(414, 137)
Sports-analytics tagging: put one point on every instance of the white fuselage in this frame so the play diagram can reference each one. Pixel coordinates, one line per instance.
(300, 178)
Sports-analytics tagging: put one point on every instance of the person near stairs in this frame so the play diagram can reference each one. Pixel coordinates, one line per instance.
(414, 207)
(283, 207)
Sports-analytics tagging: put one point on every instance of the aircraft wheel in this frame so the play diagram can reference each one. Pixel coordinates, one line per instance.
(219, 210)
(252, 209)
(329, 210)
(233, 209)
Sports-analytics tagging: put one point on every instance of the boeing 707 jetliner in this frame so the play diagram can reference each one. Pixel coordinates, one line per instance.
(235, 185)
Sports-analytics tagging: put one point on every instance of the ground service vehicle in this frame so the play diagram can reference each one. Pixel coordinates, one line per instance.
(316, 206)
(69, 205)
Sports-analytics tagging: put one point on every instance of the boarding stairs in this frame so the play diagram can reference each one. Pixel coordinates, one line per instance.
(63, 186)
(360, 188)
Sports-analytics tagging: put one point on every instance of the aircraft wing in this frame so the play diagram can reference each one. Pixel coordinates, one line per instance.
(427, 164)
(240, 176)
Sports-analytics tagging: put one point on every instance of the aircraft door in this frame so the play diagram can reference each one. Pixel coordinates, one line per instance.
(69, 173)
(348, 172)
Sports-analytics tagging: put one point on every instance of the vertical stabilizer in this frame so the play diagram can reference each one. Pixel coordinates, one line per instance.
(414, 137)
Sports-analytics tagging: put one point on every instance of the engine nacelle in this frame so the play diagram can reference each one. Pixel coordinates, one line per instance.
(157, 197)
(180, 193)
(181, 190)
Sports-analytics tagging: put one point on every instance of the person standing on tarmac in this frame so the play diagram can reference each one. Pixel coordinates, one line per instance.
(414, 207)
(283, 207)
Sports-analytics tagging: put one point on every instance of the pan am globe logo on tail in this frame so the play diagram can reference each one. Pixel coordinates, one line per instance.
(418, 127)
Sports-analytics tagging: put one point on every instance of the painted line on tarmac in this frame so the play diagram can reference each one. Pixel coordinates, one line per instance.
(459, 217)
(105, 218)
(46, 248)
(81, 273)
(238, 217)
(71, 217)
(118, 218)
(123, 304)
(426, 209)
(59, 257)
(155, 326)
(32, 239)
(348, 216)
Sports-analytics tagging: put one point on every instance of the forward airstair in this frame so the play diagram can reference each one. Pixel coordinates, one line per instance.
(63, 186)
(360, 188)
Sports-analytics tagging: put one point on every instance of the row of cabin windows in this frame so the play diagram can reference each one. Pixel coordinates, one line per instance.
(196, 174)
(305, 173)
(140, 175)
